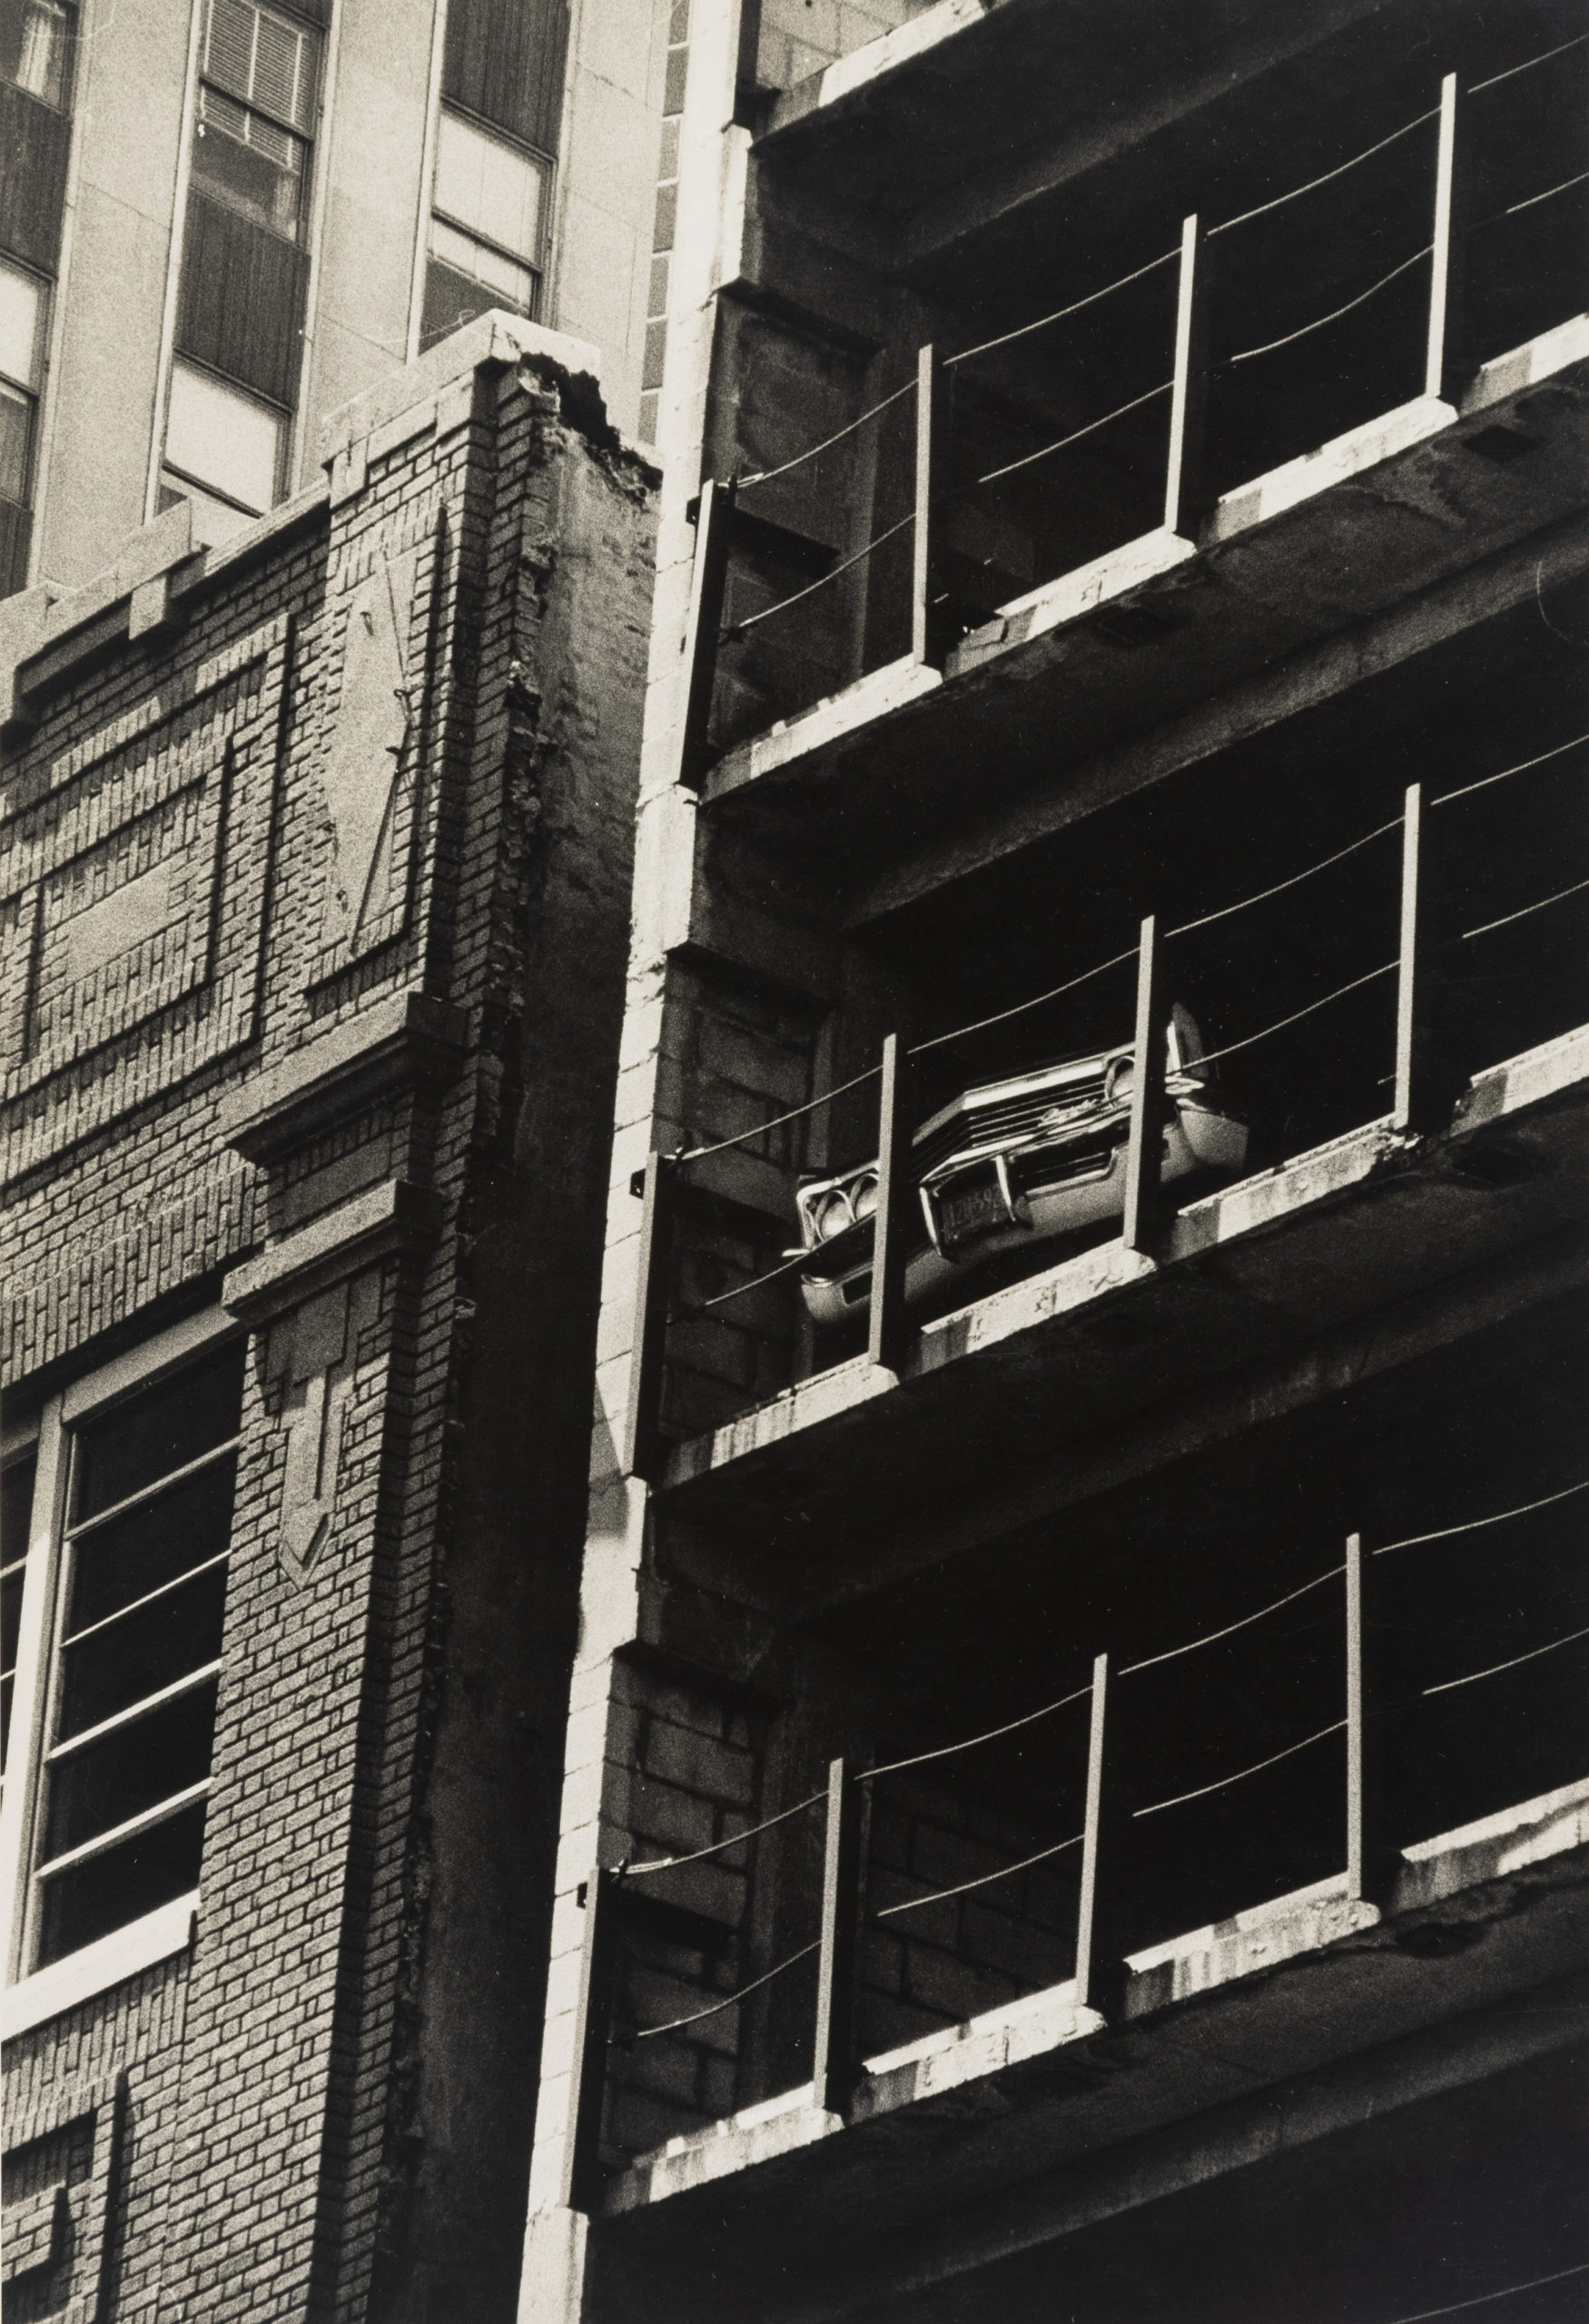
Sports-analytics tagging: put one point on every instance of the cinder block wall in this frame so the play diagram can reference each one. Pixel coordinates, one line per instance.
(359, 1095)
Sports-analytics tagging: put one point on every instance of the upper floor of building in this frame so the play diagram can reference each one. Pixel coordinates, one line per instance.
(221, 221)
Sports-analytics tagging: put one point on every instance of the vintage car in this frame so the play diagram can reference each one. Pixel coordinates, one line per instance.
(1009, 1165)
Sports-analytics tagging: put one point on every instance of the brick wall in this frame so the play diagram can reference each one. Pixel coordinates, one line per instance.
(361, 795)
(695, 1760)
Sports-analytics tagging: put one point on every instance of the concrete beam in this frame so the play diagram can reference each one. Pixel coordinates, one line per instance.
(1334, 1365)
(1010, 183)
(1037, 2119)
(1267, 1272)
(1302, 682)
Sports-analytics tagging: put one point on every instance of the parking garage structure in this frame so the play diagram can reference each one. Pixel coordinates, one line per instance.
(1078, 1717)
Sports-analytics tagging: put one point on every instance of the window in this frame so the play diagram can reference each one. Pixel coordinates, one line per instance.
(258, 78)
(22, 323)
(222, 452)
(16, 1516)
(502, 63)
(35, 48)
(486, 228)
(113, 1635)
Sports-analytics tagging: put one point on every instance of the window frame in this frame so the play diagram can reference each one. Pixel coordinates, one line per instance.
(537, 265)
(31, 392)
(72, 11)
(30, 1993)
(309, 138)
(218, 492)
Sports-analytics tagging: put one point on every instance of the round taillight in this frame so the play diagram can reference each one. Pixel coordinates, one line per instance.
(864, 1194)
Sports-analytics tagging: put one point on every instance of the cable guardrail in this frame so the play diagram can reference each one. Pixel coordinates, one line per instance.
(1250, 1040)
(1503, 773)
(741, 629)
(797, 1262)
(1004, 1016)
(842, 1912)
(716, 1847)
(1525, 911)
(1029, 459)
(1514, 1663)
(1024, 330)
(1530, 201)
(741, 1138)
(1184, 928)
(739, 1290)
(1211, 1637)
(715, 2008)
(991, 1735)
(982, 1879)
(1508, 2291)
(1280, 201)
(1476, 88)
(814, 451)
(1262, 895)
(1306, 331)
(936, 616)
(1477, 1524)
(1223, 1783)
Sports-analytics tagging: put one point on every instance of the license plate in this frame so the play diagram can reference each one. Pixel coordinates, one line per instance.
(971, 1211)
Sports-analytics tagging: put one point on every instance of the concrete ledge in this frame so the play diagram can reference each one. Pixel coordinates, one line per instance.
(1247, 1223)
(1477, 1872)
(1083, 591)
(408, 399)
(872, 62)
(1342, 535)
(408, 1041)
(145, 595)
(1330, 464)
(392, 1217)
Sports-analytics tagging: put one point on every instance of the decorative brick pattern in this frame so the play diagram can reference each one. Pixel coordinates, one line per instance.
(400, 1616)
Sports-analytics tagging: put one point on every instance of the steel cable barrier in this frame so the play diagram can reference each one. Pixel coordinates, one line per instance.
(1227, 303)
(1109, 1781)
(1414, 969)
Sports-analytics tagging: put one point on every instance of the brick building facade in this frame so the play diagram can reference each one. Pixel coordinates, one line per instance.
(317, 873)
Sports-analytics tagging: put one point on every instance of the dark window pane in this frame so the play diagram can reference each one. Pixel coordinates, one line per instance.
(16, 539)
(116, 1666)
(135, 1767)
(240, 307)
(122, 1884)
(504, 61)
(452, 299)
(34, 142)
(152, 1434)
(35, 38)
(249, 164)
(15, 445)
(129, 1556)
(10, 1617)
(15, 1511)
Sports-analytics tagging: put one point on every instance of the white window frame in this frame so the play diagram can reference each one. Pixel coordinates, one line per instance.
(247, 397)
(536, 266)
(29, 1996)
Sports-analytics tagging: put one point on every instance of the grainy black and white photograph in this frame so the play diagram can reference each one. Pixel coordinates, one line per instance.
(794, 1174)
